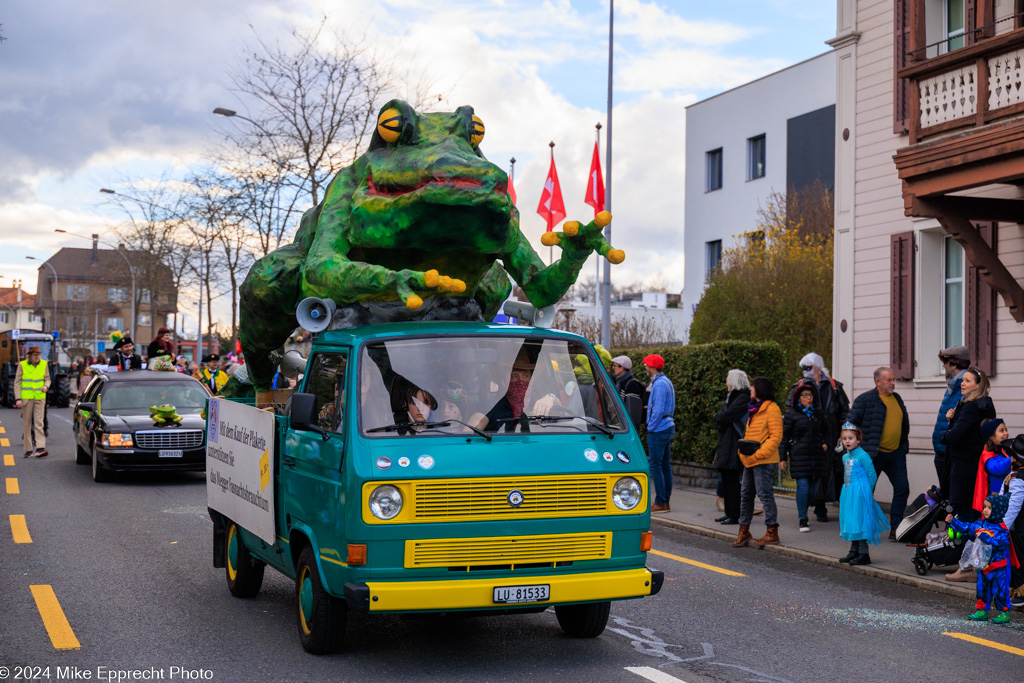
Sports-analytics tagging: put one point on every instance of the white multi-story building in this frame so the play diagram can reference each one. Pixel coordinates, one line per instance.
(766, 136)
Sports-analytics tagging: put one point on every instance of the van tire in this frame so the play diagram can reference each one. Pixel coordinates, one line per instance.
(99, 473)
(583, 621)
(243, 572)
(320, 617)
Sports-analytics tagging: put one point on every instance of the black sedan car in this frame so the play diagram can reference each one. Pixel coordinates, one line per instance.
(116, 432)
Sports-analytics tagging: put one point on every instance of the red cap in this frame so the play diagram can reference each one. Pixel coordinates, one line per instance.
(654, 361)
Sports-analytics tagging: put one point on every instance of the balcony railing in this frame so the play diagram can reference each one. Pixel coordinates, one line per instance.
(969, 87)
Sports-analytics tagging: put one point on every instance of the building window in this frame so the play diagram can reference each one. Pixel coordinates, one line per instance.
(78, 292)
(144, 296)
(953, 293)
(34, 317)
(954, 21)
(713, 170)
(77, 325)
(145, 320)
(755, 157)
(713, 260)
(117, 294)
(4, 317)
(112, 325)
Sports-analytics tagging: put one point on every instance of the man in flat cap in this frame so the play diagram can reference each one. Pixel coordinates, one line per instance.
(955, 361)
(31, 382)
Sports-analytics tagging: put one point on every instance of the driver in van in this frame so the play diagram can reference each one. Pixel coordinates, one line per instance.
(512, 405)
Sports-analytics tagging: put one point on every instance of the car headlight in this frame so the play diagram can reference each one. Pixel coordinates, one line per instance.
(117, 440)
(385, 502)
(627, 493)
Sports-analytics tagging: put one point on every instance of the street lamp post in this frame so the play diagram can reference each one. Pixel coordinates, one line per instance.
(55, 285)
(131, 271)
(230, 113)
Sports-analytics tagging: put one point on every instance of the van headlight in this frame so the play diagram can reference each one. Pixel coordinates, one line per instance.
(627, 493)
(385, 502)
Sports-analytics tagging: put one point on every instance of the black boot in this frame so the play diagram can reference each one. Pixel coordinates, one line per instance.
(862, 558)
(852, 554)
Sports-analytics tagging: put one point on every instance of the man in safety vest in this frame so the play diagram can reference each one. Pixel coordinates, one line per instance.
(31, 382)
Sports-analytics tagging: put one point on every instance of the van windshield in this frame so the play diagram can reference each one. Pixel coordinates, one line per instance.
(499, 385)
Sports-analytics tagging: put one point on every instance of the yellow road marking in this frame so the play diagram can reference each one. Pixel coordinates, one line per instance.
(695, 563)
(61, 635)
(987, 643)
(6, 443)
(8, 460)
(12, 485)
(19, 529)
(2, 430)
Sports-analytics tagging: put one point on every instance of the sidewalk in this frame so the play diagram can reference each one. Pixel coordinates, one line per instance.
(694, 510)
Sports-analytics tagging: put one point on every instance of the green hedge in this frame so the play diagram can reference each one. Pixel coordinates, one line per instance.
(698, 373)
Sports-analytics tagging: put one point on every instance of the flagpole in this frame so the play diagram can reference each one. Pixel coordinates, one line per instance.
(606, 301)
(597, 257)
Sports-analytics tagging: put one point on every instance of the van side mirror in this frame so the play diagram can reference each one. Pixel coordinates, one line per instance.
(303, 415)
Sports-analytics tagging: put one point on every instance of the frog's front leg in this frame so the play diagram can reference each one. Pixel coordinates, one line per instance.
(347, 281)
(545, 285)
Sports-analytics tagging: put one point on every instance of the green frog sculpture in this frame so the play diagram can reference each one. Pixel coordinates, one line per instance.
(414, 229)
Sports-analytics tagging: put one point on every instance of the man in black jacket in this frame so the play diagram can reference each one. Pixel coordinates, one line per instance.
(882, 417)
(630, 390)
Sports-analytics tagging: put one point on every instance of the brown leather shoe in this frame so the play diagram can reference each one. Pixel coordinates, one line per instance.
(743, 537)
(771, 537)
(963, 575)
(658, 507)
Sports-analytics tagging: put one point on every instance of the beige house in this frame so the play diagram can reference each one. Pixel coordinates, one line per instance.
(929, 167)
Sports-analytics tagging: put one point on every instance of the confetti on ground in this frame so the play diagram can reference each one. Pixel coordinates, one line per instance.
(903, 620)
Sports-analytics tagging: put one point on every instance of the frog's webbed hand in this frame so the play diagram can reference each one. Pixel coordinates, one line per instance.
(546, 284)
(577, 240)
(347, 281)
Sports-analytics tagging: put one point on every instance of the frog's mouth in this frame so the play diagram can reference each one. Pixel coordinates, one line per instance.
(391, 189)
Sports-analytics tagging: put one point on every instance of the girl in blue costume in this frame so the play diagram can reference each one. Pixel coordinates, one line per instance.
(861, 520)
(993, 580)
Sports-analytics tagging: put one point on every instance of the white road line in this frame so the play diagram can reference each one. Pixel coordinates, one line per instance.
(61, 417)
(652, 674)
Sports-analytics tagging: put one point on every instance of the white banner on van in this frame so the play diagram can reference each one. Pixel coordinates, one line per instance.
(239, 462)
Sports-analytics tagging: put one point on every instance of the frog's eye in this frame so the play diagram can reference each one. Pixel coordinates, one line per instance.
(389, 125)
(476, 135)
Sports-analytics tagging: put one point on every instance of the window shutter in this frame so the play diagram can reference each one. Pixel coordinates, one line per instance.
(901, 87)
(901, 306)
(980, 311)
(971, 21)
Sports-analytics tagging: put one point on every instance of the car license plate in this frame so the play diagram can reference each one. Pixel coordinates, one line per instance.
(172, 454)
(512, 594)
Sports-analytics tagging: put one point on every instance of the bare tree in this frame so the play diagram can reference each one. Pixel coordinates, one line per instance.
(314, 102)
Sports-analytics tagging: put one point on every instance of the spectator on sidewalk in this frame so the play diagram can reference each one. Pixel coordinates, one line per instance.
(955, 361)
(731, 422)
(965, 441)
(764, 426)
(1013, 488)
(885, 424)
(630, 390)
(661, 429)
(804, 447)
(834, 406)
(861, 520)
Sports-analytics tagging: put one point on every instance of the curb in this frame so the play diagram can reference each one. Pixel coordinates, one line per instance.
(876, 572)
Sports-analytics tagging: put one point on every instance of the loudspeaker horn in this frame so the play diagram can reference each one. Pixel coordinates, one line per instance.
(529, 314)
(292, 364)
(314, 314)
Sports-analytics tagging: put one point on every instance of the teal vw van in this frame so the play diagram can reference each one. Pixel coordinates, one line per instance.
(448, 467)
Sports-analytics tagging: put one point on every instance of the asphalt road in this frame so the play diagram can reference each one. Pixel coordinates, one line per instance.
(129, 566)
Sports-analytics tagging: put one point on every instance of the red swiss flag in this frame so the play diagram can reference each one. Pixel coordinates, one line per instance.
(551, 207)
(511, 191)
(595, 184)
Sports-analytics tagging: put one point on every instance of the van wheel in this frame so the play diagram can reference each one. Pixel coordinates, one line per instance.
(99, 475)
(320, 617)
(243, 571)
(583, 621)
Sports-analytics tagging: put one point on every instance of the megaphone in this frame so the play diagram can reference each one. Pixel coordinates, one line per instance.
(529, 314)
(314, 314)
(292, 364)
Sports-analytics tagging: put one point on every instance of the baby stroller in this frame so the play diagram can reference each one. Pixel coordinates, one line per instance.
(925, 530)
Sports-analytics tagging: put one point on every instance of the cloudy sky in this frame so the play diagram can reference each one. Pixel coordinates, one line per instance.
(97, 93)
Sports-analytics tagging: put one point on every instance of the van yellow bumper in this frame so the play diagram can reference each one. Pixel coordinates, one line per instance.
(467, 594)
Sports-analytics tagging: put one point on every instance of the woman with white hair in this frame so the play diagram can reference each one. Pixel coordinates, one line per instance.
(731, 422)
